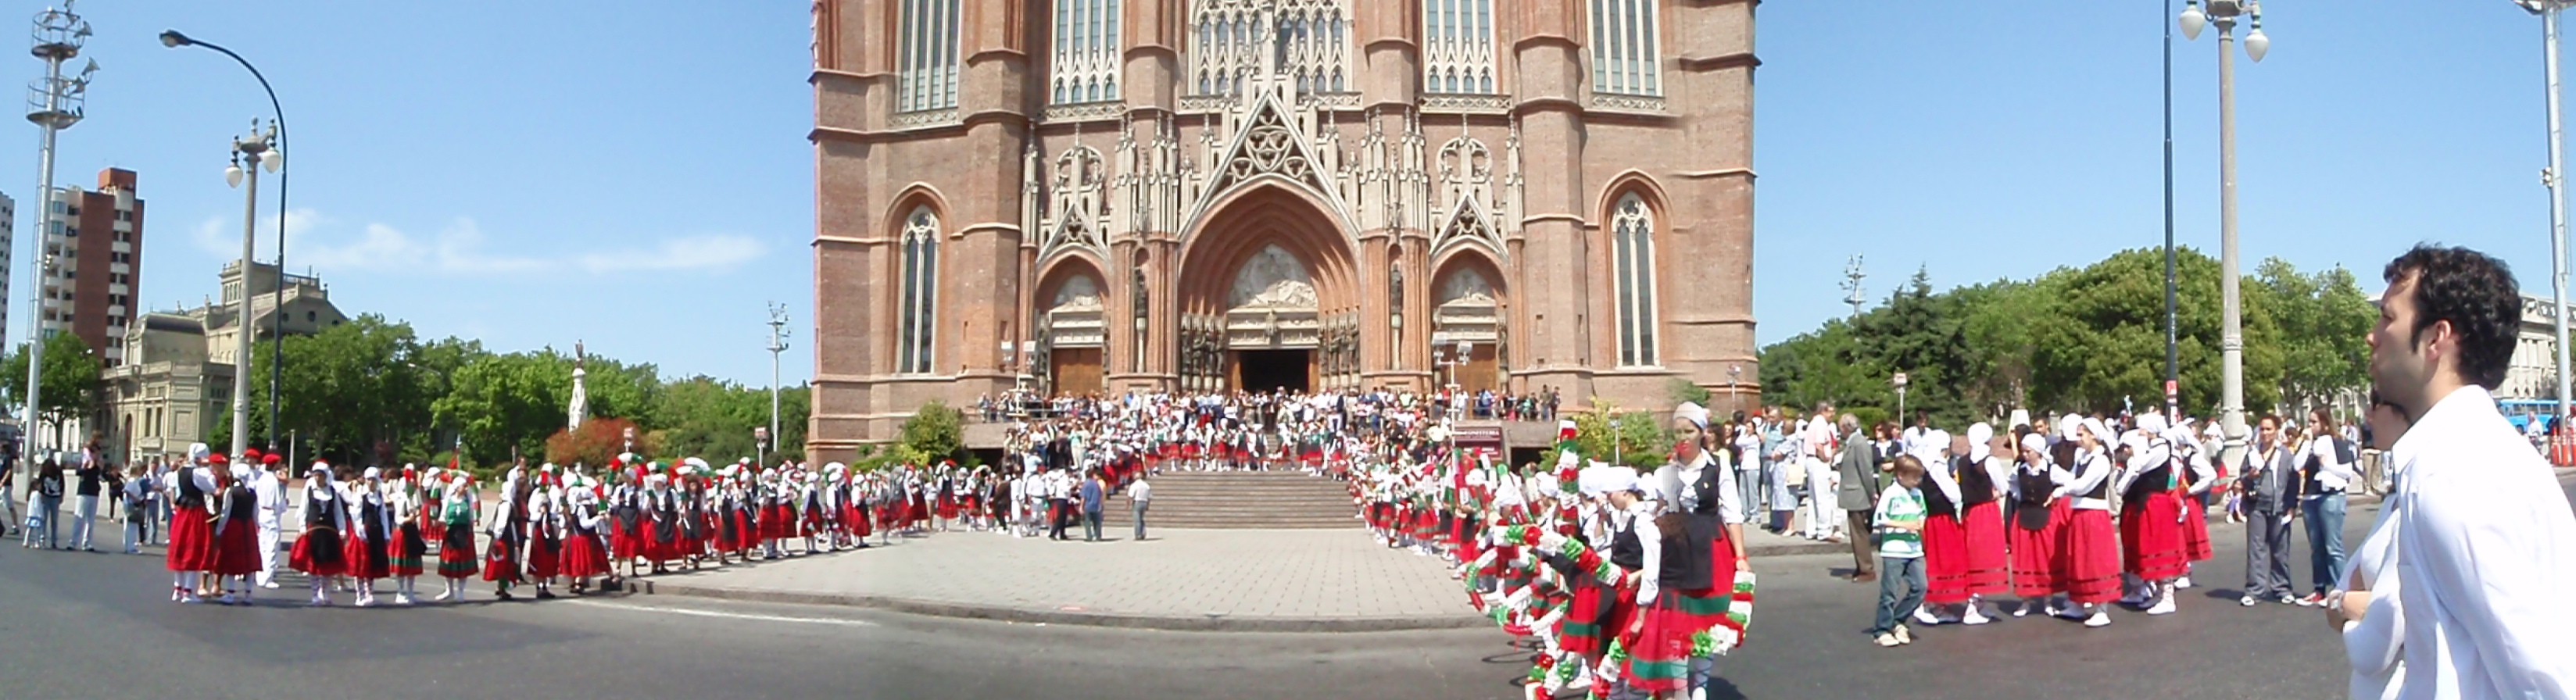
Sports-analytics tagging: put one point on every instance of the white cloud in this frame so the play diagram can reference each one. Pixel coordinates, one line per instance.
(459, 249)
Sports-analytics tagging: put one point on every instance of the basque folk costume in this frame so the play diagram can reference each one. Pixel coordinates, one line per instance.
(2039, 518)
(236, 532)
(410, 545)
(456, 552)
(192, 529)
(371, 536)
(2090, 554)
(583, 558)
(320, 553)
(2151, 546)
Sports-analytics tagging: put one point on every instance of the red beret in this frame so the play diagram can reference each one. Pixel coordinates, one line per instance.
(217, 459)
(271, 459)
(250, 454)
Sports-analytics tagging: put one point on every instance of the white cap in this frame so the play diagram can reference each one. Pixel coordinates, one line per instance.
(1693, 412)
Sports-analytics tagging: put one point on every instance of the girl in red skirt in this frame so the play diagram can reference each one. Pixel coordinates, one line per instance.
(370, 535)
(1945, 542)
(318, 552)
(2198, 477)
(192, 529)
(236, 540)
(456, 553)
(410, 547)
(2089, 555)
(1981, 519)
(2039, 513)
(583, 559)
(545, 539)
(2150, 519)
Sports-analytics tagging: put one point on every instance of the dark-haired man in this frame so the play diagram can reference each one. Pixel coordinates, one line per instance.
(2485, 544)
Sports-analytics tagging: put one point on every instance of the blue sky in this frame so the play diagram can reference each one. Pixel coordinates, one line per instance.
(635, 174)
(1985, 144)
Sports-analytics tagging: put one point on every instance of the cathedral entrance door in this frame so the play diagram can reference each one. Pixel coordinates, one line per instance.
(1266, 370)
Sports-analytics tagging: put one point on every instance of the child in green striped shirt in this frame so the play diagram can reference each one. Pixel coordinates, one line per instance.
(1899, 520)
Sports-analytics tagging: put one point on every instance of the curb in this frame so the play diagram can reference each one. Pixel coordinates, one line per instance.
(1207, 623)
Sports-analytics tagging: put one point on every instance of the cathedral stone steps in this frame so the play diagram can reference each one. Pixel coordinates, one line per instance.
(1239, 500)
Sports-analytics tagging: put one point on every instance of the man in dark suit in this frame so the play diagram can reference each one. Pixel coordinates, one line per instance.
(1858, 467)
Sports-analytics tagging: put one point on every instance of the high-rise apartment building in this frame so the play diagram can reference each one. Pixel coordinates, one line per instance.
(96, 240)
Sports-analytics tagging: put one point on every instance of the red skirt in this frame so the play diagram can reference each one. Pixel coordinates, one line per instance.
(237, 550)
(2090, 560)
(948, 509)
(318, 554)
(456, 558)
(1989, 569)
(366, 560)
(1945, 560)
(1659, 655)
(2035, 554)
(1581, 631)
(2151, 545)
(1705, 608)
(545, 558)
(582, 557)
(501, 564)
(777, 522)
(192, 541)
(409, 548)
(2195, 530)
(623, 543)
(854, 521)
(656, 550)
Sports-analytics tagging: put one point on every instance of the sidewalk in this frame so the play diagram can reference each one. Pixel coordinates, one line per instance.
(1205, 580)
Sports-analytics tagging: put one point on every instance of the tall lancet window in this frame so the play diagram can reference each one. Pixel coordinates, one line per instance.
(1627, 48)
(1086, 52)
(926, 55)
(1632, 249)
(1231, 40)
(919, 313)
(1458, 47)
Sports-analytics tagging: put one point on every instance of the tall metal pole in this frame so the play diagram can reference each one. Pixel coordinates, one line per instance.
(777, 344)
(59, 37)
(2557, 199)
(251, 148)
(277, 323)
(2173, 321)
(2231, 344)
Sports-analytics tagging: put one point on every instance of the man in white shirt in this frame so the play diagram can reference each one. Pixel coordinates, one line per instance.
(2485, 544)
(1140, 493)
(270, 489)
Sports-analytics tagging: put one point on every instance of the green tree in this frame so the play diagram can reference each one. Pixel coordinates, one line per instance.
(348, 394)
(937, 432)
(1632, 437)
(71, 378)
(2324, 321)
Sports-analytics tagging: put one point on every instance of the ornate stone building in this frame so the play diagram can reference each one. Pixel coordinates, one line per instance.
(1116, 195)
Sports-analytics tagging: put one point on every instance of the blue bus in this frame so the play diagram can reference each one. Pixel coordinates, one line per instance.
(2523, 411)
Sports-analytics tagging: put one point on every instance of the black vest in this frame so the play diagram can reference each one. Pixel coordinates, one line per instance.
(1937, 503)
(1976, 486)
(2031, 509)
(2148, 483)
(2102, 488)
(1625, 550)
(321, 513)
(189, 495)
(245, 505)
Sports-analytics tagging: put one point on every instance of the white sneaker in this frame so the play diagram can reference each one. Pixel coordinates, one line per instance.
(2247, 601)
(2023, 609)
(1903, 635)
(1975, 617)
(2164, 605)
(272, 585)
(2099, 619)
(2182, 584)
(1926, 617)
(1887, 640)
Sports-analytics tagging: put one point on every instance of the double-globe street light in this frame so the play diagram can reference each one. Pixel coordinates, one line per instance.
(277, 323)
(2231, 343)
(249, 153)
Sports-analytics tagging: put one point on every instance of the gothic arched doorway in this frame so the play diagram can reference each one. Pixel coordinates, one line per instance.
(1468, 333)
(1268, 297)
(1073, 330)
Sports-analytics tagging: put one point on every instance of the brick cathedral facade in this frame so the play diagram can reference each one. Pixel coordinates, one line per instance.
(1143, 195)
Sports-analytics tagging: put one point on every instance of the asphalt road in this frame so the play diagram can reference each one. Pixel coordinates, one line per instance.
(97, 626)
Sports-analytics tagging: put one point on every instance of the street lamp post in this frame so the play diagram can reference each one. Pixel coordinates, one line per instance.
(1900, 381)
(59, 36)
(2231, 344)
(759, 445)
(2173, 318)
(2553, 178)
(777, 344)
(252, 151)
(277, 322)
